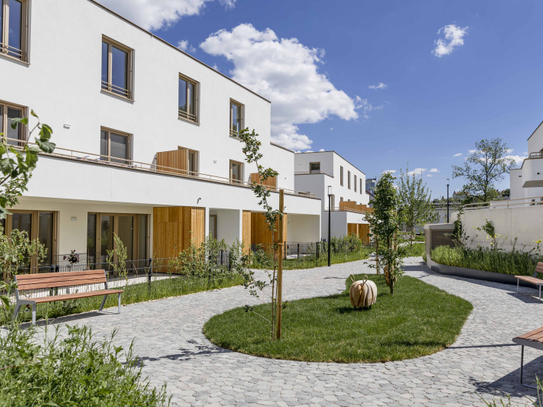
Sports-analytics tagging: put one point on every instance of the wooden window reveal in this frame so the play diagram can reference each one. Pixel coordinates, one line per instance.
(115, 146)
(236, 118)
(8, 112)
(117, 68)
(14, 29)
(188, 99)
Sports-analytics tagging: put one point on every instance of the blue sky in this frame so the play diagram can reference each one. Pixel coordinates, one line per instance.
(317, 59)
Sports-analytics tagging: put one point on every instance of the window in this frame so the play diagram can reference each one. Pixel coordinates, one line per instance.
(188, 99)
(192, 159)
(341, 176)
(13, 32)
(9, 112)
(361, 190)
(314, 168)
(114, 146)
(116, 68)
(349, 179)
(355, 183)
(236, 118)
(236, 171)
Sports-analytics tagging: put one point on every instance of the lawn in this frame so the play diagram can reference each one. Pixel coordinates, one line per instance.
(170, 287)
(419, 319)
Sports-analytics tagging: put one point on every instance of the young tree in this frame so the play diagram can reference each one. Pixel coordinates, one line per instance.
(484, 167)
(385, 224)
(415, 200)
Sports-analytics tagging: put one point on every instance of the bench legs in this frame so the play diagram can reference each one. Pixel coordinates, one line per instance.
(104, 302)
(34, 314)
(522, 368)
(518, 284)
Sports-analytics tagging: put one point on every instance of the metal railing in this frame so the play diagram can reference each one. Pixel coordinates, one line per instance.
(12, 51)
(117, 90)
(188, 116)
(538, 154)
(112, 161)
(312, 172)
(505, 204)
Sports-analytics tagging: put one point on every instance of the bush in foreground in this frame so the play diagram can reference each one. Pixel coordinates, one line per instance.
(76, 370)
(515, 262)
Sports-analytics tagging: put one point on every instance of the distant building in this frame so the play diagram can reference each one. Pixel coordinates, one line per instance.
(370, 185)
(527, 181)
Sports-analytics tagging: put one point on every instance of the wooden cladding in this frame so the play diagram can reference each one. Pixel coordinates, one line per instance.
(175, 227)
(270, 182)
(176, 159)
(352, 206)
(361, 231)
(261, 234)
(246, 232)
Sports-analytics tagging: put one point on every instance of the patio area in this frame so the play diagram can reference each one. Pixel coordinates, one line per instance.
(483, 361)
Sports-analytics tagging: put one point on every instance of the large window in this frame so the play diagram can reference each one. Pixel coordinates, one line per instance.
(349, 179)
(9, 112)
(341, 176)
(361, 190)
(188, 99)
(114, 146)
(236, 118)
(355, 183)
(314, 168)
(236, 171)
(13, 33)
(116, 68)
(131, 229)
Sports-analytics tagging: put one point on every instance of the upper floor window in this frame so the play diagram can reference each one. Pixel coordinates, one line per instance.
(188, 99)
(349, 179)
(8, 112)
(314, 168)
(236, 171)
(13, 32)
(114, 146)
(361, 190)
(192, 161)
(236, 118)
(116, 68)
(341, 176)
(355, 183)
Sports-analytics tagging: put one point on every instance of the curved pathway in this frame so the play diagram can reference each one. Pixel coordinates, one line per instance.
(168, 337)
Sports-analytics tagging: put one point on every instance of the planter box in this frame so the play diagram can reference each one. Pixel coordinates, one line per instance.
(475, 274)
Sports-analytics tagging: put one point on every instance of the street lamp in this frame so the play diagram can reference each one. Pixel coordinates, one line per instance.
(448, 200)
(329, 221)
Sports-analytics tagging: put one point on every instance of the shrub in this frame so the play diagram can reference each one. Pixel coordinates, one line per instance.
(515, 262)
(76, 370)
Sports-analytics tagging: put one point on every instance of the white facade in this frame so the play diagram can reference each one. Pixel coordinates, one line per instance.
(61, 81)
(527, 181)
(347, 183)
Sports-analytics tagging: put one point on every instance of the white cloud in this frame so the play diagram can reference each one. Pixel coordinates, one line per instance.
(417, 171)
(517, 158)
(157, 14)
(453, 38)
(472, 151)
(457, 155)
(322, 149)
(185, 46)
(389, 172)
(381, 85)
(285, 72)
(509, 151)
(434, 170)
(215, 67)
(429, 175)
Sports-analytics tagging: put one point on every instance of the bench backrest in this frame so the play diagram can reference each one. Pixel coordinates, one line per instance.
(55, 280)
(538, 269)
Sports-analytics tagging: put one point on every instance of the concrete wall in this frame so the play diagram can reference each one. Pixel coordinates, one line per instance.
(303, 228)
(523, 223)
(228, 225)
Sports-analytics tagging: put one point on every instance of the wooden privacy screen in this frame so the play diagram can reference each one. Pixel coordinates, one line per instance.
(175, 227)
(260, 234)
(270, 182)
(346, 205)
(246, 232)
(176, 159)
(361, 231)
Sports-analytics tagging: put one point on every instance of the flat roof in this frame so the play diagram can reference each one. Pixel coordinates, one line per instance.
(334, 152)
(174, 47)
(280, 146)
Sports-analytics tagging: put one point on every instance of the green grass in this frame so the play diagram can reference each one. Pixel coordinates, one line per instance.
(515, 262)
(419, 319)
(416, 250)
(135, 293)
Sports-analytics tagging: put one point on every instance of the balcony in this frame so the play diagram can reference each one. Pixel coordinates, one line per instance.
(352, 206)
(532, 170)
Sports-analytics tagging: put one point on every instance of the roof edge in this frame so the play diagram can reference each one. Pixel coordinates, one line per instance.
(537, 128)
(335, 152)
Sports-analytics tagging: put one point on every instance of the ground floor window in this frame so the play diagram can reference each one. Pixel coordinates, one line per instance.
(132, 230)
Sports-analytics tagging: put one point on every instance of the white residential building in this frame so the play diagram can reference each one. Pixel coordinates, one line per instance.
(324, 173)
(145, 136)
(527, 181)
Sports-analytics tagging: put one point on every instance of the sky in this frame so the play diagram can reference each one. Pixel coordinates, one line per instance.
(389, 85)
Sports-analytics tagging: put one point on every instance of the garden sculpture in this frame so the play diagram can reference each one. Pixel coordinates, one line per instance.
(363, 293)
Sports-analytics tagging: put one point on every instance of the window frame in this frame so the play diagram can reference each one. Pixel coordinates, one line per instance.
(4, 30)
(4, 126)
(196, 162)
(354, 183)
(241, 107)
(107, 86)
(108, 157)
(186, 115)
(348, 179)
(316, 171)
(361, 190)
(340, 175)
(241, 170)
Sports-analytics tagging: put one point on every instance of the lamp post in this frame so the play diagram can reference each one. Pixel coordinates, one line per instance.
(329, 221)
(448, 200)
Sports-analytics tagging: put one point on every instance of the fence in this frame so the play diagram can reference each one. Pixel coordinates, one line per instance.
(296, 250)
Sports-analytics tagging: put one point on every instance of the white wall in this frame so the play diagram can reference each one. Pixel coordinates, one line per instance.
(303, 228)
(228, 225)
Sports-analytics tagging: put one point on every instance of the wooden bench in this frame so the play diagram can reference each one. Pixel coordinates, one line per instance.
(533, 339)
(532, 280)
(26, 282)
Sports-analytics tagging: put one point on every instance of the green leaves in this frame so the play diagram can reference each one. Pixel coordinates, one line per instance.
(16, 121)
(46, 146)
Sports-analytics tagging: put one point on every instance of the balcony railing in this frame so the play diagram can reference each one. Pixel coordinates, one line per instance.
(357, 209)
(505, 204)
(538, 154)
(188, 116)
(111, 161)
(117, 90)
(12, 51)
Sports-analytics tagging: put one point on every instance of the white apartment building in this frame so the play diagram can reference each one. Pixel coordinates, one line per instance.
(325, 173)
(145, 135)
(527, 181)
